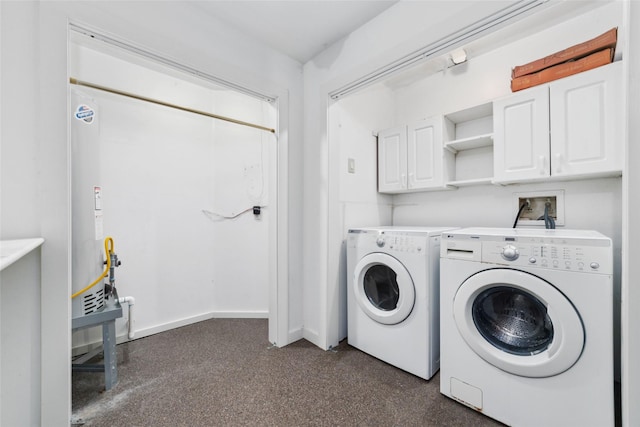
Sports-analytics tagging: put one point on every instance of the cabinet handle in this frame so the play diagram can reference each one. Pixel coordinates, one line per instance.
(542, 162)
(404, 181)
(559, 162)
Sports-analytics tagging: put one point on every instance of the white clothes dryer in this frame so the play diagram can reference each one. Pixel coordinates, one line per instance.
(527, 325)
(392, 295)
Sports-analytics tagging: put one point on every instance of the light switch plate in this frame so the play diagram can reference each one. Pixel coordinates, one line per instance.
(351, 165)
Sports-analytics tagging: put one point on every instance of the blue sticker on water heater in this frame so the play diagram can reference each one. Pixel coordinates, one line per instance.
(85, 113)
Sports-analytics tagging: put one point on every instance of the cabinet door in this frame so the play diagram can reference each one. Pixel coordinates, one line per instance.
(521, 136)
(586, 123)
(392, 160)
(424, 154)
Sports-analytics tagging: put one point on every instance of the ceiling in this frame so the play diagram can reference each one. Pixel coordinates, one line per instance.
(298, 28)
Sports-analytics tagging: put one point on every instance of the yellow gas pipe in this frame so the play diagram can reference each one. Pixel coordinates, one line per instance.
(108, 250)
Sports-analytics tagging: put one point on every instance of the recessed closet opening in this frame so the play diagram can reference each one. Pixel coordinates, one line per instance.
(188, 197)
(459, 188)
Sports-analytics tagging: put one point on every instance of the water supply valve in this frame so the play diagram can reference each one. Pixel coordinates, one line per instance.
(110, 288)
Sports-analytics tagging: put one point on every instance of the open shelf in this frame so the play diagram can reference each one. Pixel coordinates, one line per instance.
(469, 143)
(470, 182)
(469, 137)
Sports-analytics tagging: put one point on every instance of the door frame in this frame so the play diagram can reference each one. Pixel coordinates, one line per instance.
(278, 282)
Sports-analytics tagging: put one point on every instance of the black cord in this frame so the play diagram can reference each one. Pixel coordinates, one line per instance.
(518, 215)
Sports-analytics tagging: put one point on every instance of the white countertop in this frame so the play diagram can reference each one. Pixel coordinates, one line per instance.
(12, 250)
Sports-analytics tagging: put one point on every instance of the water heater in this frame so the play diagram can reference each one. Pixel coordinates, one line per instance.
(88, 257)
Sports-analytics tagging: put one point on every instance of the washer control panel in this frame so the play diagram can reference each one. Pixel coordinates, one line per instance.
(510, 253)
(555, 255)
(567, 250)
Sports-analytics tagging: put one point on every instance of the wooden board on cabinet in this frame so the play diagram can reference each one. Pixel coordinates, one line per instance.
(603, 41)
(590, 62)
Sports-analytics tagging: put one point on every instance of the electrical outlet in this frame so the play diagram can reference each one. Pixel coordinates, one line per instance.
(535, 202)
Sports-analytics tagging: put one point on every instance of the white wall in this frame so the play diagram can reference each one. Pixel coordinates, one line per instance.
(352, 122)
(34, 91)
(631, 229)
(20, 283)
(21, 197)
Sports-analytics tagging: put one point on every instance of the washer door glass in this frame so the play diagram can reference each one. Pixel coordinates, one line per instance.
(384, 288)
(518, 322)
(512, 320)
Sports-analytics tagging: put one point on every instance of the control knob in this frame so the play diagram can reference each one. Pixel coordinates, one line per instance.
(380, 241)
(510, 253)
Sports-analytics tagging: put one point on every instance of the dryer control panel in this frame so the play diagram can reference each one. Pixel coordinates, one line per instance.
(400, 243)
(396, 242)
(567, 250)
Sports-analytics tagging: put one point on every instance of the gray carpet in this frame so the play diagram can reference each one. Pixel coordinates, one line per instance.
(223, 372)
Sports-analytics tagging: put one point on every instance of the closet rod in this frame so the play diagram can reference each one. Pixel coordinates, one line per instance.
(75, 81)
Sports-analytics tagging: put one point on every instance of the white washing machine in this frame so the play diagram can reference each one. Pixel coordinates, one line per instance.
(392, 295)
(527, 325)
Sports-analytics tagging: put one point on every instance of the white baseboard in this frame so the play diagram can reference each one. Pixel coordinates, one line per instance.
(296, 335)
(195, 319)
(313, 337)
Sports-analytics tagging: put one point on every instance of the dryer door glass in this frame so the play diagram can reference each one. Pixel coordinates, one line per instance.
(513, 320)
(381, 287)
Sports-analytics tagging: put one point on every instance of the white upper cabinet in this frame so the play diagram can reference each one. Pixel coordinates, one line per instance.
(392, 160)
(410, 158)
(424, 154)
(569, 128)
(521, 136)
(587, 123)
